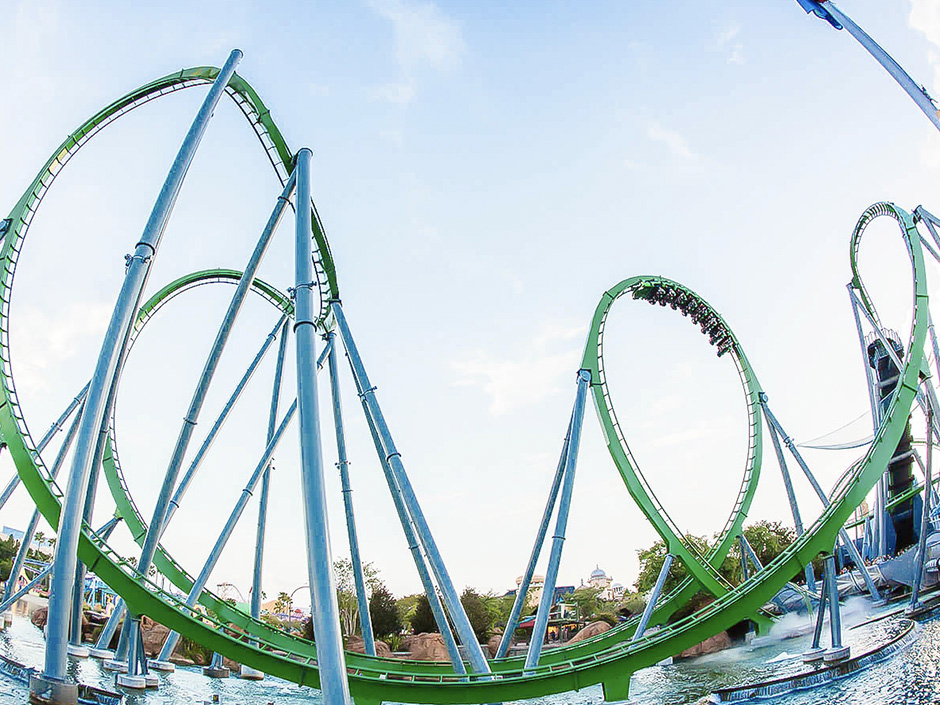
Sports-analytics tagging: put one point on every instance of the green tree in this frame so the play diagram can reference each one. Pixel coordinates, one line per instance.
(406, 608)
(282, 604)
(383, 611)
(479, 616)
(651, 562)
(586, 600)
(422, 621)
(346, 592)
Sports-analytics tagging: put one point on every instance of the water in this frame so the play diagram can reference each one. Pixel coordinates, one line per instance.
(907, 678)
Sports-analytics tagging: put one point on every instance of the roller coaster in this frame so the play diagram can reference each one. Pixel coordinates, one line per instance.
(311, 316)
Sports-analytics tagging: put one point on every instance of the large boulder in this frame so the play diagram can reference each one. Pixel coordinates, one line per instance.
(593, 629)
(719, 642)
(39, 617)
(493, 644)
(426, 647)
(153, 635)
(357, 645)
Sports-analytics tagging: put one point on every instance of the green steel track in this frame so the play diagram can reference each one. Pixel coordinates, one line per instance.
(608, 659)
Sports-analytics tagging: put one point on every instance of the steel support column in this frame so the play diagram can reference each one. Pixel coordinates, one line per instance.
(325, 608)
(523, 590)
(654, 597)
(561, 524)
(365, 619)
(422, 530)
(138, 269)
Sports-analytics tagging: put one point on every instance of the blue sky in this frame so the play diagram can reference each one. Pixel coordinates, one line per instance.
(484, 172)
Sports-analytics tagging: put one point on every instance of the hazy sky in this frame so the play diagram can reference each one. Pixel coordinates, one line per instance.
(484, 173)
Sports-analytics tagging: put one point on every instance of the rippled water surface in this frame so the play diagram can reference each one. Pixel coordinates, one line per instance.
(905, 678)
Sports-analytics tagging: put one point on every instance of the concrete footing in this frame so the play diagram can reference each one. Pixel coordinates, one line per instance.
(164, 666)
(251, 674)
(50, 691)
(114, 664)
(813, 655)
(152, 680)
(7, 618)
(126, 680)
(216, 672)
(77, 651)
(101, 653)
(836, 655)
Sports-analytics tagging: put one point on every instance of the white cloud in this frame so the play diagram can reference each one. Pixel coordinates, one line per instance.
(530, 376)
(424, 38)
(397, 93)
(675, 143)
(925, 17)
(42, 342)
(727, 39)
(423, 34)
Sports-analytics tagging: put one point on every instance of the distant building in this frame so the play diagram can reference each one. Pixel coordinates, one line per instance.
(537, 587)
(601, 581)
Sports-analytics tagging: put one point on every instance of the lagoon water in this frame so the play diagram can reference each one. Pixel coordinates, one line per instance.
(906, 678)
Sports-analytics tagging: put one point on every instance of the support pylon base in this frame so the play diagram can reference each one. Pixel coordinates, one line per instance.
(151, 680)
(251, 674)
(165, 666)
(813, 655)
(216, 672)
(101, 653)
(115, 665)
(51, 691)
(125, 680)
(836, 655)
(77, 651)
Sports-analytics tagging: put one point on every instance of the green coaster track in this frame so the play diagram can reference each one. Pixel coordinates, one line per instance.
(608, 659)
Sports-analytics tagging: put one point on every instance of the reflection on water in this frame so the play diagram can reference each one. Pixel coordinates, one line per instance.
(905, 679)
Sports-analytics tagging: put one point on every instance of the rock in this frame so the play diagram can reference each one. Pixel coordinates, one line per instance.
(593, 629)
(181, 660)
(493, 644)
(39, 617)
(153, 635)
(426, 647)
(357, 645)
(719, 642)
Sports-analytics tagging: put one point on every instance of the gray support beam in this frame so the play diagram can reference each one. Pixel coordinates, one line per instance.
(561, 524)
(653, 598)
(422, 530)
(414, 547)
(220, 421)
(824, 498)
(109, 359)
(199, 583)
(44, 441)
(519, 603)
(917, 92)
(791, 496)
(266, 479)
(365, 620)
(921, 555)
(325, 608)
